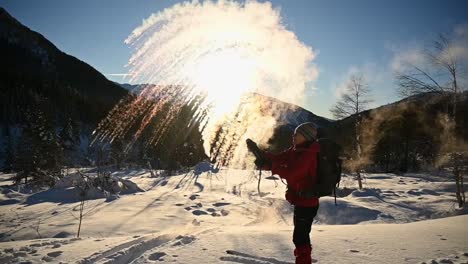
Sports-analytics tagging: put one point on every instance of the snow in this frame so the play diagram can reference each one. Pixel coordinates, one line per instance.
(211, 216)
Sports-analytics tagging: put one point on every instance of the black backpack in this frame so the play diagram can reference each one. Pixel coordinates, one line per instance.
(329, 168)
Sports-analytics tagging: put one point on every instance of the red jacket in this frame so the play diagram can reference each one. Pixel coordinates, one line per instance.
(299, 167)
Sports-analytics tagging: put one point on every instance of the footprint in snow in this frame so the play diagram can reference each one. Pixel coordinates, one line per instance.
(24, 249)
(184, 240)
(198, 205)
(164, 183)
(452, 259)
(224, 212)
(9, 250)
(199, 212)
(446, 261)
(441, 261)
(35, 245)
(54, 254)
(157, 256)
(19, 254)
(220, 204)
(47, 259)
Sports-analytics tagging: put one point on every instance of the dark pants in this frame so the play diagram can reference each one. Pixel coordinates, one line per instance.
(303, 218)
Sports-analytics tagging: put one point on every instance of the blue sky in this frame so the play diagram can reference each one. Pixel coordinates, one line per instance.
(349, 36)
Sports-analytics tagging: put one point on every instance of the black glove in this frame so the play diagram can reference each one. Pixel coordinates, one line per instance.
(260, 159)
(260, 163)
(251, 145)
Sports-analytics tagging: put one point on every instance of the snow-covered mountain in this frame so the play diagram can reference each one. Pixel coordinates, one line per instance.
(34, 69)
(293, 114)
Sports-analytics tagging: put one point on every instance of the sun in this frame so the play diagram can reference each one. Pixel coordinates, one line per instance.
(224, 76)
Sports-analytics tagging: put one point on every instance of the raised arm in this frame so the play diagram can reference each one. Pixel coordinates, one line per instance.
(266, 160)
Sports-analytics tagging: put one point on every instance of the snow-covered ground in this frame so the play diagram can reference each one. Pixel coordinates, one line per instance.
(220, 218)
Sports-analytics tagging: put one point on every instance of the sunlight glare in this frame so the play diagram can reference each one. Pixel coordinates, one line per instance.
(224, 77)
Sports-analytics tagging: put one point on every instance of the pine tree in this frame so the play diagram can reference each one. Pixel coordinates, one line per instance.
(25, 162)
(49, 155)
(9, 151)
(69, 138)
(39, 154)
(405, 143)
(118, 153)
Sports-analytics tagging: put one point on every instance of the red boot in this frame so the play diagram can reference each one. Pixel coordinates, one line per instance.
(303, 254)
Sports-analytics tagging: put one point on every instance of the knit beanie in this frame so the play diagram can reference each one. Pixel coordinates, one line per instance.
(308, 130)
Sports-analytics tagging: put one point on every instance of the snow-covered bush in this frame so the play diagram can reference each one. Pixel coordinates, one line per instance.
(98, 185)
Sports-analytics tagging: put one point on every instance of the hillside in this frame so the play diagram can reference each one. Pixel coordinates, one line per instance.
(406, 135)
(34, 72)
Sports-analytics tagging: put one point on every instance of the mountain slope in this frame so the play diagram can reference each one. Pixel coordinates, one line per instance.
(32, 67)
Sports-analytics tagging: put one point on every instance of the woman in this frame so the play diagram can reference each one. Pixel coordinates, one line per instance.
(298, 165)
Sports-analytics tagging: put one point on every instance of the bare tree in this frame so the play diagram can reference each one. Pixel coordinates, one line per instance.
(441, 72)
(355, 98)
(83, 185)
(353, 101)
(37, 226)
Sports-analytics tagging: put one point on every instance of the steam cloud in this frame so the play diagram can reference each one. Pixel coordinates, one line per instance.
(171, 43)
(222, 51)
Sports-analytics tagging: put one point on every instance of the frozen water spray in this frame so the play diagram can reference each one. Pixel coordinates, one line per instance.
(213, 56)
